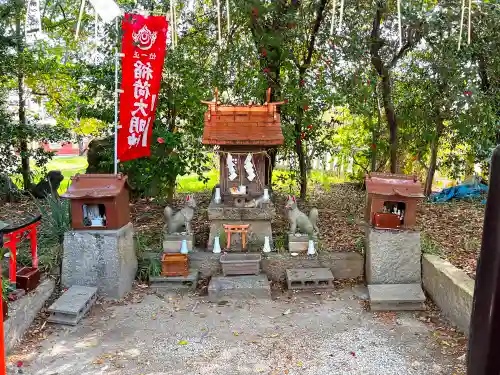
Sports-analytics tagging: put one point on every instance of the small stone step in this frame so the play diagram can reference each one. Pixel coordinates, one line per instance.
(393, 297)
(239, 287)
(72, 306)
(309, 278)
(163, 283)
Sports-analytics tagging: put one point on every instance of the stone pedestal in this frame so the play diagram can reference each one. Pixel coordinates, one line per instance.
(298, 243)
(104, 259)
(172, 242)
(393, 259)
(258, 218)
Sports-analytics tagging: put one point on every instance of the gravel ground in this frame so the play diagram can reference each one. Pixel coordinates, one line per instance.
(309, 334)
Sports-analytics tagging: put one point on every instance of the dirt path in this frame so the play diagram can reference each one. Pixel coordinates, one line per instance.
(312, 334)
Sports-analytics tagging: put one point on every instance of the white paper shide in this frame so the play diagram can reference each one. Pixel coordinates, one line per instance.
(249, 168)
(231, 166)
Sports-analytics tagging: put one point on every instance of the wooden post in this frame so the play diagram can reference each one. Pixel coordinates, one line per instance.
(484, 336)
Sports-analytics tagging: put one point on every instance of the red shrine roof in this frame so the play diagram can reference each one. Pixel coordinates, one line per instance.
(242, 125)
(394, 184)
(95, 186)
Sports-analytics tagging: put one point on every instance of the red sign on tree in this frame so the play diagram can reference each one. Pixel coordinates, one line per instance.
(143, 44)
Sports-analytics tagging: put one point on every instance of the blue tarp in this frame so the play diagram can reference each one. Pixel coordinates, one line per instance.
(469, 191)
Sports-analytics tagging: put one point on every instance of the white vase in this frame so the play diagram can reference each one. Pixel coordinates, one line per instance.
(310, 248)
(217, 198)
(217, 248)
(266, 195)
(184, 247)
(267, 245)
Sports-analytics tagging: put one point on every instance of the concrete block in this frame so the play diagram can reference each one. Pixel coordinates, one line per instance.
(239, 287)
(177, 283)
(309, 278)
(346, 265)
(104, 259)
(393, 257)
(172, 242)
(391, 297)
(23, 311)
(72, 306)
(450, 288)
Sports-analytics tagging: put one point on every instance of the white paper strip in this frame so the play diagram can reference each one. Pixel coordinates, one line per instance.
(108, 10)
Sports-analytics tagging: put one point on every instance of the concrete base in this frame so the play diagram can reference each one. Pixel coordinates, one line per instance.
(178, 283)
(392, 257)
(172, 242)
(298, 243)
(23, 311)
(255, 238)
(239, 287)
(104, 259)
(450, 288)
(393, 297)
(72, 306)
(348, 265)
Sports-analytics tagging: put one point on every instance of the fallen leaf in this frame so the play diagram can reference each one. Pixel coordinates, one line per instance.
(235, 333)
(183, 342)
(300, 364)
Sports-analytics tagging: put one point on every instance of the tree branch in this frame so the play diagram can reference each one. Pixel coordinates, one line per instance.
(314, 33)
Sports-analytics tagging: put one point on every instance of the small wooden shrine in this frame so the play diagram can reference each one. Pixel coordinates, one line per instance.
(244, 134)
(99, 201)
(241, 208)
(392, 200)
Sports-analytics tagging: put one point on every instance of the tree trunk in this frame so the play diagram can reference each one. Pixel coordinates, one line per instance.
(373, 166)
(23, 142)
(433, 161)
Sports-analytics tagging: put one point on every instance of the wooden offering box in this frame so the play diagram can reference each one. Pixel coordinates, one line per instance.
(99, 201)
(174, 265)
(392, 200)
(27, 278)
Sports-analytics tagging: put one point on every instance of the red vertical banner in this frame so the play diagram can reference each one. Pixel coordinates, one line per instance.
(143, 46)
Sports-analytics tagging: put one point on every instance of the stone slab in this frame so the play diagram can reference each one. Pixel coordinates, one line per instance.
(227, 212)
(257, 230)
(72, 306)
(309, 278)
(450, 288)
(103, 259)
(389, 297)
(172, 242)
(393, 257)
(23, 311)
(239, 287)
(300, 244)
(162, 283)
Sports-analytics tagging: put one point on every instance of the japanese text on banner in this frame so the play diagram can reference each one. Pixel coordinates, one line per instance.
(144, 42)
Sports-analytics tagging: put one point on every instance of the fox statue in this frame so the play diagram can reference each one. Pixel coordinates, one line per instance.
(181, 219)
(299, 220)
